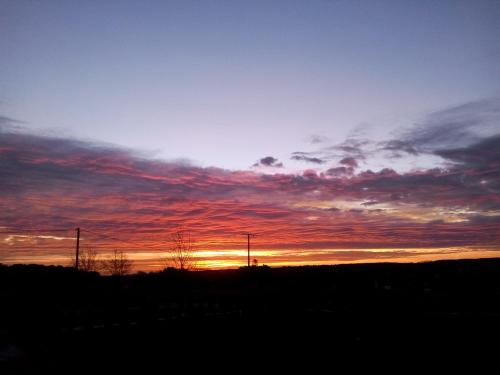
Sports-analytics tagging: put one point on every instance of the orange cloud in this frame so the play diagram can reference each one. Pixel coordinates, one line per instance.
(122, 200)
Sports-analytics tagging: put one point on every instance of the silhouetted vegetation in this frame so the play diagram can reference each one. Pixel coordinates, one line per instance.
(88, 260)
(181, 252)
(54, 316)
(117, 264)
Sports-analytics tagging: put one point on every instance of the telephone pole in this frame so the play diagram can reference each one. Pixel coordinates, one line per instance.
(248, 246)
(77, 247)
(248, 243)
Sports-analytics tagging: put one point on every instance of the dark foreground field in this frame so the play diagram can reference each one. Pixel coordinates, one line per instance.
(56, 320)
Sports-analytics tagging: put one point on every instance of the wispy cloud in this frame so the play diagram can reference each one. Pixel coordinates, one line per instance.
(268, 161)
(349, 162)
(317, 139)
(454, 127)
(301, 156)
(65, 183)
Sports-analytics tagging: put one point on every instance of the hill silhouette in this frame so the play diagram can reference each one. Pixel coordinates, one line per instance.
(52, 317)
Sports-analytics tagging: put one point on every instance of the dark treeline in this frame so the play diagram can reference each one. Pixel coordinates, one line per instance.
(51, 317)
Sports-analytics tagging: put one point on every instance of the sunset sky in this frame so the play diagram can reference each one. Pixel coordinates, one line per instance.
(336, 131)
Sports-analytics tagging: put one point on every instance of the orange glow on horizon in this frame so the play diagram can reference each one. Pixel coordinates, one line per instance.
(149, 259)
(125, 202)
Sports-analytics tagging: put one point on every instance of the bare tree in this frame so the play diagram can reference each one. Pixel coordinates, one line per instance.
(88, 260)
(117, 264)
(181, 251)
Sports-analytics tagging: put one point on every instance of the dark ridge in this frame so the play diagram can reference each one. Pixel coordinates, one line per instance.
(54, 317)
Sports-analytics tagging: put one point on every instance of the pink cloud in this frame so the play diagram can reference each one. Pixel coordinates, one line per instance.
(48, 182)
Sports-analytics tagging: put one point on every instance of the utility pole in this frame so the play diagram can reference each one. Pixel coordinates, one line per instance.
(77, 247)
(248, 243)
(248, 246)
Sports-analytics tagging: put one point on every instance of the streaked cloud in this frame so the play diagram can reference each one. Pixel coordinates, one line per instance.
(50, 182)
(318, 138)
(301, 156)
(268, 161)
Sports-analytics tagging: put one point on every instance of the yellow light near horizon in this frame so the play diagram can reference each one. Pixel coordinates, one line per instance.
(234, 258)
(219, 264)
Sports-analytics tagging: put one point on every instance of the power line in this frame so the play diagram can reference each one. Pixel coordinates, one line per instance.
(103, 236)
(31, 248)
(248, 245)
(119, 240)
(15, 231)
(3, 230)
(108, 237)
(77, 247)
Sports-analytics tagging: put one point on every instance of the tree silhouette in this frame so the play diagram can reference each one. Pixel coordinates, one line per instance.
(88, 260)
(181, 251)
(117, 264)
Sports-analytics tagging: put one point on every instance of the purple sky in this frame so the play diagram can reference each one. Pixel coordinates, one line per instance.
(225, 83)
(340, 131)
